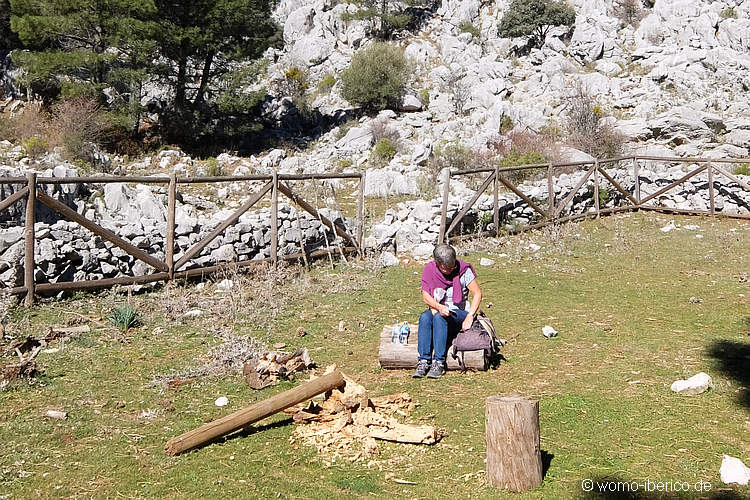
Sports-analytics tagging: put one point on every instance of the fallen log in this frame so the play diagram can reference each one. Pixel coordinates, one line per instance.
(392, 355)
(251, 414)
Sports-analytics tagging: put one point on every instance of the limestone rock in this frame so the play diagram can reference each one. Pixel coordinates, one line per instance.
(694, 385)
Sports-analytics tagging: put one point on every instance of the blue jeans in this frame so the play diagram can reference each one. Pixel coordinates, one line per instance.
(432, 337)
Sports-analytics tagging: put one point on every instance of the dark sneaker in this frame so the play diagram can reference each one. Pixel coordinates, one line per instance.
(437, 369)
(423, 366)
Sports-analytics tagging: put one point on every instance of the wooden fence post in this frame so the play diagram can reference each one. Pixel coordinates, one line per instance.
(171, 206)
(361, 213)
(637, 180)
(514, 457)
(711, 195)
(444, 212)
(550, 193)
(596, 188)
(496, 202)
(275, 218)
(28, 265)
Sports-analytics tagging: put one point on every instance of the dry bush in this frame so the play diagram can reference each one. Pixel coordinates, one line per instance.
(380, 128)
(77, 124)
(32, 122)
(525, 148)
(588, 130)
(630, 12)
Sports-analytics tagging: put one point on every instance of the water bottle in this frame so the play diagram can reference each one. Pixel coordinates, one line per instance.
(395, 333)
(403, 337)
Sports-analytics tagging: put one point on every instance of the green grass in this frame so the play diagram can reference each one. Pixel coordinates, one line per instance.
(617, 290)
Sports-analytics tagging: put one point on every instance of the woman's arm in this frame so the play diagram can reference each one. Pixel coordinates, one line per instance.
(476, 299)
(434, 304)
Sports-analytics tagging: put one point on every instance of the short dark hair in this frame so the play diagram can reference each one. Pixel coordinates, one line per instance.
(445, 255)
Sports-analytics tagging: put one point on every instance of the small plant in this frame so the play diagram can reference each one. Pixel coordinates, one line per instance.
(214, 168)
(516, 158)
(124, 318)
(728, 13)
(451, 155)
(742, 170)
(35, 146)
(506, 124)
(384, 151)
(424, 98)
(630, 12)
(326, 84)
(534, 18)
(468, 27)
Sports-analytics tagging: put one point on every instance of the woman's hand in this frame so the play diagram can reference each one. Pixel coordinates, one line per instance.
(468, 321)
(444, 310)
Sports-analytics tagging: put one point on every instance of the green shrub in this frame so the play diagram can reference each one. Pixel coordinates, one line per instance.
(376, 78)
(728, 13)
(506, 124)
(534, 18)
(449, 155)
(467, 27)
(124, 317)
(424, 98)
(35, 146)
(327, 83)
(742, 170)
(384, 151)
(213, 168)
(516, 158)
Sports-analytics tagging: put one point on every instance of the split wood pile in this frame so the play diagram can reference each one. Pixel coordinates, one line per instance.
(273, 366)
(393, 355)
(348, 422)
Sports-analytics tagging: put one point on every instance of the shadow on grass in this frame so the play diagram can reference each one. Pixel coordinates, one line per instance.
(243, 433)
(619, 488)
(734, 362)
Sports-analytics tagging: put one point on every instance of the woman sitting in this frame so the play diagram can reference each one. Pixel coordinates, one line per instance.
(446, 282)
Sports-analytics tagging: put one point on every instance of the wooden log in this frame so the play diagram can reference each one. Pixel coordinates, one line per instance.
(393, 356)
(171, 208)
(361, 213)
(251, 414)
(514, 459)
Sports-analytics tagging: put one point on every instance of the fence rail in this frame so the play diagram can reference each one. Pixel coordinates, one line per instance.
(169, 268)
(553, 214)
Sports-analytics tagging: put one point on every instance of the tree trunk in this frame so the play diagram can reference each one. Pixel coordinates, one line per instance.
(514, 459)
(205, 76)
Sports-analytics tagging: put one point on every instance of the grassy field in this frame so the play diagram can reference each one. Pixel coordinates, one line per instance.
(617, 289)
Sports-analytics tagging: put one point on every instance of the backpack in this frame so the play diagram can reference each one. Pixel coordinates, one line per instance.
(481, 336)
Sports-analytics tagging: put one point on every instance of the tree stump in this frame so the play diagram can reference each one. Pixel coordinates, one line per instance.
(514, 460)
(394, 356)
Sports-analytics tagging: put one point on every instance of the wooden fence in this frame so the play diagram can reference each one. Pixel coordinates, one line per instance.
(169, 268)
(552, 213)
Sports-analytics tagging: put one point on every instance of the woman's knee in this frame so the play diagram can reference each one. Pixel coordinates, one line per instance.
(426, 317)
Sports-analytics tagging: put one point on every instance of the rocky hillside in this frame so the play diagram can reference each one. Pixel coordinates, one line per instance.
(675, 84)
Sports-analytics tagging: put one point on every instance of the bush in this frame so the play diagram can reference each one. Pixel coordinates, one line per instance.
(450, 155)
(587, 129)
(35, 146)
(327, 83)
(630, 12)
(77, 124)
(376, 78)
(424, 98)
(534, 18)
(213, 168)
(380, 129)
(742, 170)
(506, 124)
(384, 152)
(467, 27)
(728, 13)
